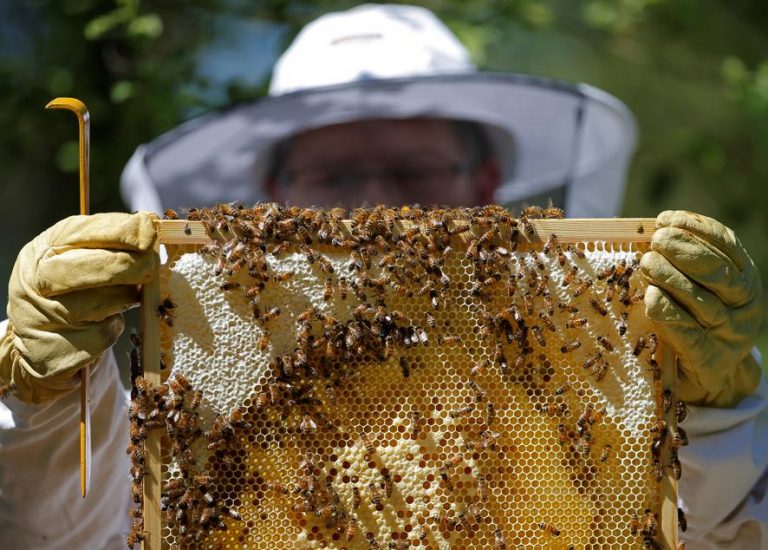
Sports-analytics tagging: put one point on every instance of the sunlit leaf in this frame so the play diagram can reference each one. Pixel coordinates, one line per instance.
(121, 91)
(148, 25)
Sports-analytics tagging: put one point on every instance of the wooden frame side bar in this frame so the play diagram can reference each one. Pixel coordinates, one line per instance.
(669, 526)
(150, 331)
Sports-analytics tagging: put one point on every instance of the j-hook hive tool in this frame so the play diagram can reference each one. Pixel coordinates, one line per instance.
(84, 126)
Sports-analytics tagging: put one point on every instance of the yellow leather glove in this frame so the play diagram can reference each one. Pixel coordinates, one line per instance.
(66, 296)
(706, 300)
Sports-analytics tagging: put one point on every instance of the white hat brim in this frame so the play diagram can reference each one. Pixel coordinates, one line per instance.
(547, 134)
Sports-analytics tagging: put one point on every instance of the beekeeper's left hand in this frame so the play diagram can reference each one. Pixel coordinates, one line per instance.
(706, 300)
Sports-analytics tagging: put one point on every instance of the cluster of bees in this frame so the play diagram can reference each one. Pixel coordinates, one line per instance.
(189, 500)
(403, 252)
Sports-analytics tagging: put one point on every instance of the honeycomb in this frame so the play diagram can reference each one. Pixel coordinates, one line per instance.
(412, 379)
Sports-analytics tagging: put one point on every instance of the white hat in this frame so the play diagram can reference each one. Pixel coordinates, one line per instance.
(393, 61)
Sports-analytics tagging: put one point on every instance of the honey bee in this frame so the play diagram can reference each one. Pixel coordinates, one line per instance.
(499, 542)
(551, 243)
(482, 487)
(463, 411)
(479, 368)
(431, 322)
(511, 314)
(307, 424)
(325, 264)
(561, 258)
(309, 254)
(270, 314)
(487, 439)
(137, 492)
(448, 340)
(452, 462)
(477, 390)
(627, 300)
(655, 368)
(666, 399)
(606, 272)
(553, 409)
(528, 303)
(490, 414)
(537, 334)
(610, 292)
(582, 287)
(263, 340)
(679, 439)
(562, 389)
(585, 419)
(603, 341)
(570, 346)
(549, 529)
(367, 444)
(387, 484)
(416, 424)
(584, 445)
(283, 277)
(562, 434)
(681, 411)
(7, 389)
(549, 307)
(356, 498)
(253, 293)
(570, 308)
(577, 251)
(601, 371)
(598, 307)
(570, 275)
(639, 346)
(351, 531)
(376, 494)
(623, 323)
(576, 322)
(605, 454)
(682, 522)
(649, 525)
(674, 465)
(659, 427)
(135, 537)
(164, 311)
(634, 524)
(229, 285)
(547, 321)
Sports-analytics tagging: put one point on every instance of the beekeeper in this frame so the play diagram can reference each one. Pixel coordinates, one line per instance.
(378, 104)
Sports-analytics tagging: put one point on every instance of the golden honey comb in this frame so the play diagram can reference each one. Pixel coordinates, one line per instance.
(448, 411)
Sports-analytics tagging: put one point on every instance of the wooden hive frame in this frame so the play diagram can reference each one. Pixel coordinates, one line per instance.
(185, 233)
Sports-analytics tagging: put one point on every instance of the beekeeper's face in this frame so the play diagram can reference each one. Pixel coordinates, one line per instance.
(392, 162)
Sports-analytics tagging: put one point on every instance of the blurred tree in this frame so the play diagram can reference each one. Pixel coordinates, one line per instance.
(695, 74)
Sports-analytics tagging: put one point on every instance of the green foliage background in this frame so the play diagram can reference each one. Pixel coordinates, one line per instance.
(695, 73)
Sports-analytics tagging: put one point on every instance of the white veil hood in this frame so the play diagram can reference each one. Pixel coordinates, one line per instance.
(552, 138)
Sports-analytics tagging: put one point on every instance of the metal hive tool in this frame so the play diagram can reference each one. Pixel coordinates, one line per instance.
(467, 405)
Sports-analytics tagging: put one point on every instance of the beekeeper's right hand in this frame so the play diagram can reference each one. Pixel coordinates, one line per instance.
(66, 296)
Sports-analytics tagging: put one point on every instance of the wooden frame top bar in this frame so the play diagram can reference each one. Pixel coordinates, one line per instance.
(574, 230)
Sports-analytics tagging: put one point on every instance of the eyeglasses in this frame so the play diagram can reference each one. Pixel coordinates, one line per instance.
(342, 178)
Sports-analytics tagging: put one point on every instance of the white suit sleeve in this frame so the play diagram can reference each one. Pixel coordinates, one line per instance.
(725, 475)
(40, 502)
